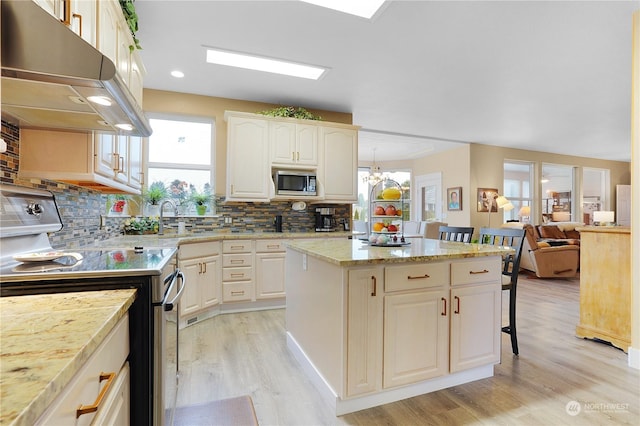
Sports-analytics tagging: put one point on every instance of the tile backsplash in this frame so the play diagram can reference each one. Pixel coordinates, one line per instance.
(81, 208)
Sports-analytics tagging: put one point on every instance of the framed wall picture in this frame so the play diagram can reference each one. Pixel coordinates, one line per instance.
(487, 199)
(454, 198)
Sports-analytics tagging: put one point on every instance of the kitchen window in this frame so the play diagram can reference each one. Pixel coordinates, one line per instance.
(181, 156)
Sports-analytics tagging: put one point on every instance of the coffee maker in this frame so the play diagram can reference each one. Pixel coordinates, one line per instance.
(325, 220)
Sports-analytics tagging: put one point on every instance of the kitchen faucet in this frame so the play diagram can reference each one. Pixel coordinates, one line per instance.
(175, 213)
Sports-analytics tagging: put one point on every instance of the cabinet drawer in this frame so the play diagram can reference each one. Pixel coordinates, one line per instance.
(237, 246)
(237, 260)
(237, 274)
(476, 271)
(236, 292)
(413, 277)
(266, 246)
(190, 251)
(84, 387)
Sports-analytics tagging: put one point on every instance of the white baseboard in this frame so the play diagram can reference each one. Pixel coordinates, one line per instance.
(350, 405)
(634, 358)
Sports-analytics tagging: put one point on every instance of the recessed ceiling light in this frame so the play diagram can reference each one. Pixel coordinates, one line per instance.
(100, 100)
(364, 9)
(177, 74)
(243, 60)
(125, 126)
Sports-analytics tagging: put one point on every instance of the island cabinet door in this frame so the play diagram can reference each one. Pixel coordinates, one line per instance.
(475, 326)
(364, 331)
(416, 337)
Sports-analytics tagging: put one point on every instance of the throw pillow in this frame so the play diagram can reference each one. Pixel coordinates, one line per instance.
(551, 231)
(572, 234)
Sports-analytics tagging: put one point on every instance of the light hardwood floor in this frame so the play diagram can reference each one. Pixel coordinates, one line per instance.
(246, 354)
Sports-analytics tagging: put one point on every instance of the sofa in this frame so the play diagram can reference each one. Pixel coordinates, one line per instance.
(558, 233)
(548, 253)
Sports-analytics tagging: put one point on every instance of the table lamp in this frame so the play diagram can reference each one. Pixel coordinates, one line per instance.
(525, 211)
(603, 218)
(502, 203)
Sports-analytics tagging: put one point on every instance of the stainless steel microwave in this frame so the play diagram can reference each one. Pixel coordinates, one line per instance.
(295, 182)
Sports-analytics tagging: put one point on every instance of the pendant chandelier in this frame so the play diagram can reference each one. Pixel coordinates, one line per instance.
(375, 175)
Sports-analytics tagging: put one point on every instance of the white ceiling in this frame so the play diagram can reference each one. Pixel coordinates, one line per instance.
(422, 76)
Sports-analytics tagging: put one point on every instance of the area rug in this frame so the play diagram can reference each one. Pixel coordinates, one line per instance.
(237, 411)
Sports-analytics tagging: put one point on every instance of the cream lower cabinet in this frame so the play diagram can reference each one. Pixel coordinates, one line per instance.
(237, 271)
(106, 370)
(416, 336)
(364, 330)
(200, 263)
(424, 322)
(269, 269)
(476, 314)
(416, 323)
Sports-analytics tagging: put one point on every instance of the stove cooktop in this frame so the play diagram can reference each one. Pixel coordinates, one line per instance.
(111, 262)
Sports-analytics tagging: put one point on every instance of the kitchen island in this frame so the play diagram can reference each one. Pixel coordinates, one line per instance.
(46, 340)
(372, 325)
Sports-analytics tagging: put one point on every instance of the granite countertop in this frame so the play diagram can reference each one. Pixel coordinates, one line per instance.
(175, 240)
(344, 252)
(46, 339)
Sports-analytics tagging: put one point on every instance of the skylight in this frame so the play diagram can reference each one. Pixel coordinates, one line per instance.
(362, 8)
(244, 60)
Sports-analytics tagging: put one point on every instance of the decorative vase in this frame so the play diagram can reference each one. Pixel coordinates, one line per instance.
(153, 210)
(201, 209)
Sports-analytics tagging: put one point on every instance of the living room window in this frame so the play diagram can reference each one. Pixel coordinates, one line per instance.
(558, 204)
(181, 157)
(518, 181)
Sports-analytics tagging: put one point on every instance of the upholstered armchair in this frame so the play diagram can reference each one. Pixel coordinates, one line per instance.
(548, 261)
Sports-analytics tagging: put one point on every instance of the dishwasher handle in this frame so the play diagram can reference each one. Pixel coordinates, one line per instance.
(176, 276)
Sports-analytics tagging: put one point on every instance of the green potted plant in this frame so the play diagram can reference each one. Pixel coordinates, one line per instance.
(154, 195)
(201, 200)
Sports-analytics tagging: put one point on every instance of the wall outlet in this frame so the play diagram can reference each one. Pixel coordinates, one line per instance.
(228, 220)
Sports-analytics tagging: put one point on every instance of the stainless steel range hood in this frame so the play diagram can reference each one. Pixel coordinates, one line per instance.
(49, 72)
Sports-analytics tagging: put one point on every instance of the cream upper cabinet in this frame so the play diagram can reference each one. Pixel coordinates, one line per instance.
(293, 144)
(137, 72)
(85, 159)
(108, 18)
(80, 18)
(329, 149)
(119, 158)
(338, 171)
(53, 7)
(114, 40)
(136, 165)
(248, 171)
(83, 19)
